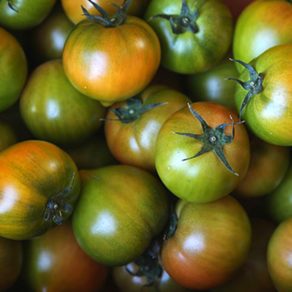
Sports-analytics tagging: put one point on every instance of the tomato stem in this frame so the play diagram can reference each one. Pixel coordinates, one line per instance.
(184, 22)
(212, 139)
(254, 85)
(133, 110)
(105, 19)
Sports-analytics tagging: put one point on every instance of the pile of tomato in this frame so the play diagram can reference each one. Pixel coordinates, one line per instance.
(145, 145)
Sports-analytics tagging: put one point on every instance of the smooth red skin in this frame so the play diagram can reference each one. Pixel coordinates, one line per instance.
(279, 256)
(134, 143)
(254, 275)
(32, 172)
(10, 262)
(74, 12)
(111, 64)
(55, 262)
(268, 166)
(13, 66)
(210, 244)
(187, 179)
(236, 7)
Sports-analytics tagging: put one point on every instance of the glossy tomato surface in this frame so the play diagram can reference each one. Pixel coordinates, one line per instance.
(279, 256)
(187, 178)
(13, 66)
(39, 183)
(268, 167)
(262, 25)
(10, 262)
(210, 243)
(54, 110)
(74, 11)
(269, 113)
(121, 208)
(54, 262)
(25, 13)
(111, 64)
(189, 52)
(133, 142)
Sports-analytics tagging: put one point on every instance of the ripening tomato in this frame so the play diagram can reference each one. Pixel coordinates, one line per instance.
(39, 185)
(198, 156)
(7, 135)
(132, 126)
(74, 11)
(54, 262)
(120, 209)
(279, 256)
(54, 110)
(111, 60)
(236, 7)
(13, 69)
(24, 14)
(210, 243)
(10, 262)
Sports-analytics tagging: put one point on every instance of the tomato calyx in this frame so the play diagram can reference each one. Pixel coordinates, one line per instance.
(57, 204)
(11, 6)
(184, 22)
(108, 20)
(171, 228)
(254, 85)
(133, 111)
(212, 139)
(149, 266)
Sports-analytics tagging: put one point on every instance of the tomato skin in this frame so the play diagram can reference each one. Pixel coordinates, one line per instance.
(279, 256)
(30, 13)
(13, 67)
(212, 86)
(74, 12)
(111, 64)
(10, 262)
(33, 172)
(254, 275)
(187, 179)
(237, 7)
(262, 25)
(268, 114)
(121, 208)
(189, 53)
(54, 110)
(54, 262)
(48, 39)
(210, 243)
(134, 143)
(7, 135)
(267, 169)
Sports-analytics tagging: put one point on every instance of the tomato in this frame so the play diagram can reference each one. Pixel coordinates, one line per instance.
(278, 204)
(190, 45)
(121, 208)
(7, 135)
(211, 241)
(54, 262)
(39, 185)
(132, 137)
(192, 170)
(262, 25)
(279, 256)
(48, 39)
(254, 275)
(268, 166)
(145, 274)
(13, 67)
(24, 14)
(54, 110)
(10, 262)
(111, 63)
(211, 86)
(264, 95)
(74, 12)
(92, 153)
(236, 7)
